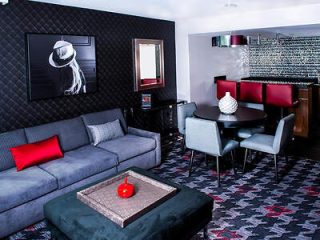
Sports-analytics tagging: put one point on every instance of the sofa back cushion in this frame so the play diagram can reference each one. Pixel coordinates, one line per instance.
(72, 133)
(104, 117)
(7, 141)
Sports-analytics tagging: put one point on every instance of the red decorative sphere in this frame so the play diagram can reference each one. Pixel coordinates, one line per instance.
(125, 190)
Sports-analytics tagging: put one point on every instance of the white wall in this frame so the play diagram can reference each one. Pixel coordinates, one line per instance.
(300, 15)
(207, 61)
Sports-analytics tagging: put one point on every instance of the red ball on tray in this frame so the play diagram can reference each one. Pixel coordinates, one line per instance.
(125, 190)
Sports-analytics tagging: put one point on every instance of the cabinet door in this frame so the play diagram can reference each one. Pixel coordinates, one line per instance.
(303, 112)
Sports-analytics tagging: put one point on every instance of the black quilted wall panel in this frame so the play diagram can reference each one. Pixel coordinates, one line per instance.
(114, 34)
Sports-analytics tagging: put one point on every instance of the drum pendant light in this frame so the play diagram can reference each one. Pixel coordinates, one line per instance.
(229, 41)
(238, 40)
(224, 41)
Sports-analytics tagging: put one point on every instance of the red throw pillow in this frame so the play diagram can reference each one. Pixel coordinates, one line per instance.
(31, 154)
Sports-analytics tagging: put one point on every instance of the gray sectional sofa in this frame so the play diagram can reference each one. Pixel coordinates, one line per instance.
(22, 194)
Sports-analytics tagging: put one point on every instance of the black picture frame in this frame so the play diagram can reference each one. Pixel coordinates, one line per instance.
(60, 65)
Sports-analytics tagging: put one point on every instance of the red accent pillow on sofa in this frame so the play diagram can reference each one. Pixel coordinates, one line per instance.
(31, 154)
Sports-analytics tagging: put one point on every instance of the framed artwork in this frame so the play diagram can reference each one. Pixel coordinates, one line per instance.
(60, 65)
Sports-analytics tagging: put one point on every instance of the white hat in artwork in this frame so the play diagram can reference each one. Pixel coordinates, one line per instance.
(62, 55)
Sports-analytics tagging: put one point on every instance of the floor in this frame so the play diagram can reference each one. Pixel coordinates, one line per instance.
(250, 205)
(308, 148)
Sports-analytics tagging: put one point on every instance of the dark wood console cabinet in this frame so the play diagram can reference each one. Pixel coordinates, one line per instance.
(303, 112)
(161, 117)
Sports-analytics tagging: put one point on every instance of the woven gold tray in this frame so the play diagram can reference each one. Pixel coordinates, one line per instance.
(103, 197)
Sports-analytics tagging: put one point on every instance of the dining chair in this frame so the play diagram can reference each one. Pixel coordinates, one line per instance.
(281, 95)
(184, 111)
(249, 131)
(224, 86)
(251, 92)
(269, 143)
(204, 136)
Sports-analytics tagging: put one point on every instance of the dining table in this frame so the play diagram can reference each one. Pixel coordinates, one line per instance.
(243, 117)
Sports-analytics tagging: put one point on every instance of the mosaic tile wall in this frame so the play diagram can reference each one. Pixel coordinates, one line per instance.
(290, 57)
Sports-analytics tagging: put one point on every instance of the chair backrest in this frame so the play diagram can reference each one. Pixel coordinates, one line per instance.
(258, 106)
(185, 111)
(251, 92)
(204, 136)
(279, 95)
(284, 133)
(224, 86)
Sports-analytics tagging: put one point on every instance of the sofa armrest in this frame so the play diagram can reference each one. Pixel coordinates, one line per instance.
(148, 134)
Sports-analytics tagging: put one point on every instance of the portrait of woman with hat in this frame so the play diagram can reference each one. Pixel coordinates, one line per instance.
(64, 57)
(60, 65)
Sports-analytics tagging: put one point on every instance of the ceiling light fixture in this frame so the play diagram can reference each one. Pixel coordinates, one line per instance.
(229, 41)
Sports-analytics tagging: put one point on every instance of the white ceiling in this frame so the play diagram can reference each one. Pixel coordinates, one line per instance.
(179, 9)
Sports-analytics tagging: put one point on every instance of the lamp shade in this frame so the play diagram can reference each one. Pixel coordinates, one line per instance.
(229, 41)
(224, 41)
(238, 40)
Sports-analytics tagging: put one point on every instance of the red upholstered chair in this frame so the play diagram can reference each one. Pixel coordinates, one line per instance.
(251, 95)
(279, 95)
(224, 86)
(251, 92)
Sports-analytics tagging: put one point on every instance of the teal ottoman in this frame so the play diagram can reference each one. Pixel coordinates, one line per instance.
(180, 217)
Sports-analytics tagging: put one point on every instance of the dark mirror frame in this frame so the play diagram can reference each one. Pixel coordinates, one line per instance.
(138, 82)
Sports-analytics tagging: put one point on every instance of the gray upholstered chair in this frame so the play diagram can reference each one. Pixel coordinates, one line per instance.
(271, 144)
(248, 132)
(185, 111)
(204, 136)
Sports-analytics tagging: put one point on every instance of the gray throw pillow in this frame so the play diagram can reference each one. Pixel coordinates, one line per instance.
(106, 131)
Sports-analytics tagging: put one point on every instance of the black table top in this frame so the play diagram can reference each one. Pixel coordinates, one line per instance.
(242, 117)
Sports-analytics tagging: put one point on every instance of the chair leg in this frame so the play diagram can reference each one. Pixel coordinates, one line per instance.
(286, 157)
(184, 144)
(218, 171)
(245, 160)
(276, 167)
(233, 163)
(191, 162)
(205, 232)
(206, 159)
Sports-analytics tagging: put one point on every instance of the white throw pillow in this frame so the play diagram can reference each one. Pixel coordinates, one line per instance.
(105, 131)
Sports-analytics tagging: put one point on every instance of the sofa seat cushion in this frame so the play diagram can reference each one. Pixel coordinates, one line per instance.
(20, 187)
(129, 146)
(79, 164)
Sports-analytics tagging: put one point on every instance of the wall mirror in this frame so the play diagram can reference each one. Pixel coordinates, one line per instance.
(148, 62)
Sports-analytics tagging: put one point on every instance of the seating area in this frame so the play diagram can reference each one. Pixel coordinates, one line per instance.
(157, 120)
(25, 192)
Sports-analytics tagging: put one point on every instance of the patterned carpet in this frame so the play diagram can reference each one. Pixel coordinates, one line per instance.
(247, 206)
